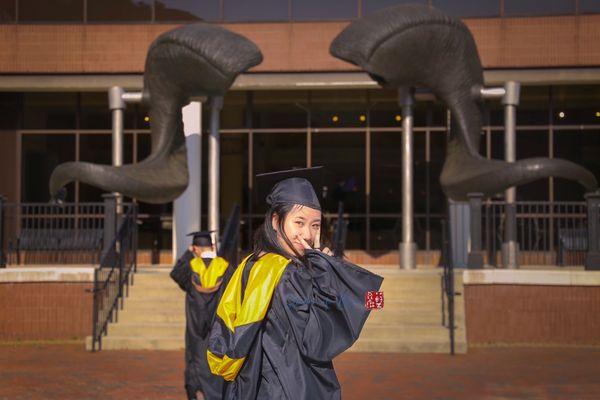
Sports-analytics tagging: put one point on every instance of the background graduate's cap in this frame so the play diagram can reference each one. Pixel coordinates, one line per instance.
(294, 186)
(201, 238)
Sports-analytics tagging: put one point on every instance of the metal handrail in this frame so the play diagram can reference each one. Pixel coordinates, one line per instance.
(112, 279)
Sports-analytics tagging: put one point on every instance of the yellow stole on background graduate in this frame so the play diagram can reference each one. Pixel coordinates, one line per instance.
(234, 313)
(209, 275)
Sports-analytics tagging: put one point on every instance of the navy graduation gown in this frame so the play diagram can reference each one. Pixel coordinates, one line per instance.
(200, 310)
(316, 313)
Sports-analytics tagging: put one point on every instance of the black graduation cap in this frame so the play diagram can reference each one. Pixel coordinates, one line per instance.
(201, 238)
(294, 186)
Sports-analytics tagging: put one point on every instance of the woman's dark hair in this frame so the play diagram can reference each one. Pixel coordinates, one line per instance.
(265, 237)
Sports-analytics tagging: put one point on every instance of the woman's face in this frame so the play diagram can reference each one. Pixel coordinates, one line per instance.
(301, 223)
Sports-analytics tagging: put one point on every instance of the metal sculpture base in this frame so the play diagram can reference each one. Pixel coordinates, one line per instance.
(475, 260)
(408, 255)
(592, 261)
(510, 255)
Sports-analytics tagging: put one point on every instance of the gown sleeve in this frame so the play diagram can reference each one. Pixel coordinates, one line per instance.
(182, 273)
(325, 305)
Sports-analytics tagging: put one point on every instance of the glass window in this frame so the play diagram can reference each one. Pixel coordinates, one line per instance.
(437, 149)
(497, 140)
(278, 151)
(41, 153)
(119, 10)
(7, 10)
(533, 106)
(384, 110)
(469, 8)
(49, 110)
(368, 6)
(94, 111)
(256, 10)
(137, 116)
(581, 147)
(385, 233)
(589, 6)
(576, 105)
(233, 114)
(340, 108)
(386, 172)
(355, 235)
(343, 157)
(97, 149)
(144, 146)
(280, 109)
(186, 10)
(234, 175)
(516, 8)
(314, 10)
(56, 10)
(10, 104)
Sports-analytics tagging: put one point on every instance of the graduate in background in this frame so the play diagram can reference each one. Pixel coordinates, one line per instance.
(200, 273)
(290, 307)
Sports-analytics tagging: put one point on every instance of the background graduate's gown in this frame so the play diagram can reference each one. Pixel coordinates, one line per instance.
(316, 313)
(199, 314)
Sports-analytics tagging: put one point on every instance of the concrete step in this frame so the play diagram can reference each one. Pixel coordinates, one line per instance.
(362, 345)
(370, 330)
(407, 332)
(147, 329)
(418, 346)
(146, 343)
(156, 293)
(408, 317)
(174, 316)
(141, 304)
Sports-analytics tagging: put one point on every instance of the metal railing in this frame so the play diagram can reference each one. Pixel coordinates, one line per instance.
(548, 233)
(44, 233)
(448, 292)
(115, 274)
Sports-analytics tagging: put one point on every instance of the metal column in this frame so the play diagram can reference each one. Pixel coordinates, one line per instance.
(117, 99)
(116, 104)
(216, 104)
(592, 257)
(408, 247)
(510, 246)
(187, 208)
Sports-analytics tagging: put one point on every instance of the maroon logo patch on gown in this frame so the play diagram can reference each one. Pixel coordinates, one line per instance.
(373, 300)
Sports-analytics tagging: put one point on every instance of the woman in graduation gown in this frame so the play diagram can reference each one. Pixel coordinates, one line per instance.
(201, 276)
(289, 308)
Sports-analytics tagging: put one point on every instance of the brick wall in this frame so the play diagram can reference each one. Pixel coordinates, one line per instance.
(564, 41)
(541, 314)
(45, 311)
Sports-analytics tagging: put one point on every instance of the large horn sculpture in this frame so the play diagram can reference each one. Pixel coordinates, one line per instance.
(193, 60)
(413, 45)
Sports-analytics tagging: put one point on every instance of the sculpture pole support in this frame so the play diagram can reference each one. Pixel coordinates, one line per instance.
(187, 208)
(592, 257)
(408, 248)
(216, 104)
(117, 99)
(110, 220)
(510, 246)
(475, 259)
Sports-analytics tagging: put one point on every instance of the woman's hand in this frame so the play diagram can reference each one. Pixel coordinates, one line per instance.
(202, 289)
(317, 242)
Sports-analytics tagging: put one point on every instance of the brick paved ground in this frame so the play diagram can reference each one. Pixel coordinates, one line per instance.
(66, 371)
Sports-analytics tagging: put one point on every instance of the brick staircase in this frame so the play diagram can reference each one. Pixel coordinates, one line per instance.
(154, 318)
